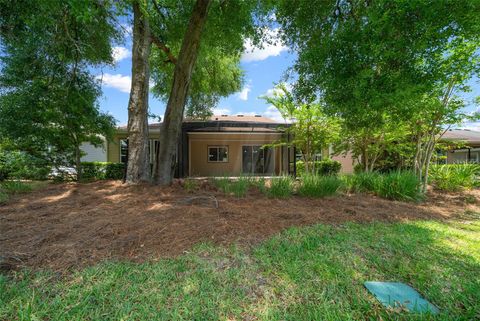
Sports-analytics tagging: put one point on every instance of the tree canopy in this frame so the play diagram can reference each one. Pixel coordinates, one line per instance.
(48, 102)
(381, 63)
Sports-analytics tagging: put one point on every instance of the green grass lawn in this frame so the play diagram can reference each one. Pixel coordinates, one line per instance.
(310, 273)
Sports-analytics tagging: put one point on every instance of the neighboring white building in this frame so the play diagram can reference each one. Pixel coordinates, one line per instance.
(94, 154)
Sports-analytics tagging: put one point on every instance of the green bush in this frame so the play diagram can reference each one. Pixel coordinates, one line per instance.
(114, 170)
(364, 182)
(93, 171)
(280, 187)
(454, 177)
(400, 185)
(323, 167)
(19, 165)
(102, 170)
(396, 185)
(237, 187)
(319, 186)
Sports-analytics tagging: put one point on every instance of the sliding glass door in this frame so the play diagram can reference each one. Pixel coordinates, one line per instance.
(257, 160)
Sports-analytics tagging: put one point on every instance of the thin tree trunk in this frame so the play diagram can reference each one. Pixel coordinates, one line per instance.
(138, 167)
(78, 163)
(172, 123)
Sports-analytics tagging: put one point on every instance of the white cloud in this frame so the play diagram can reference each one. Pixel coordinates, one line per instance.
(120, 53)
(247, 113)
(274, 114)
(272, 48)
(116, 81)
(222, 111)
(271, 112)
(272, 91)
(243, 95)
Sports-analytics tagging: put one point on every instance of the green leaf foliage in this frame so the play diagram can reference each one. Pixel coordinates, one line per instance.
(48, 101)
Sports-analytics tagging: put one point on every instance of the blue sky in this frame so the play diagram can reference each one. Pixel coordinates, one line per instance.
(263, 68)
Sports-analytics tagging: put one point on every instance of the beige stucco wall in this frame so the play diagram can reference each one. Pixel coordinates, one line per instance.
(347, 162)
(198, 152)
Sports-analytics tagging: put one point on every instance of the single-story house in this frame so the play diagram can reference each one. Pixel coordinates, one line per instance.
(222, 145)
(468, 149)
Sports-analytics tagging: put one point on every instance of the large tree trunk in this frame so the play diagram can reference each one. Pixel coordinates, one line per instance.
(138, 168)
(172, 122)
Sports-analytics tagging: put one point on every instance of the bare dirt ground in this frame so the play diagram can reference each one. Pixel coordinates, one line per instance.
(73, 225)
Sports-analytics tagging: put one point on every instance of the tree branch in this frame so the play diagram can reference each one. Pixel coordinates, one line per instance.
(164, 48)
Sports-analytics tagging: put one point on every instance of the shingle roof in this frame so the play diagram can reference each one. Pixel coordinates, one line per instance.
(220, 118)
(467, 135)
(243, 118)
(237, 129)
(461, 134)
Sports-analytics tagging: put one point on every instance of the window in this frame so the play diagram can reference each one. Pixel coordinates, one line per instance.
(123, 150)
(153, 146)
(218, 154)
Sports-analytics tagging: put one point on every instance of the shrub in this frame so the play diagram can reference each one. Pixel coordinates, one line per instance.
(222, 183)
(364, 182)
(454, 177)
(238, 187)
(102, 170)
(280, 187)
(93, 170)
(19, 165)
(114, 170)
(400, 185)
(328, 167)
(323, 167)
(319, 186)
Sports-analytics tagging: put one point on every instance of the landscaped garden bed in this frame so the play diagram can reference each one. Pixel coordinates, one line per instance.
(71, 225)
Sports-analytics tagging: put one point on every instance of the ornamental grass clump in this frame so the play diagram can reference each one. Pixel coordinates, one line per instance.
(280, 187)
(319, 186)
(400, 185)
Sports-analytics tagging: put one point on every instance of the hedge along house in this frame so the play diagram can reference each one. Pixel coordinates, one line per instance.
(223, 145)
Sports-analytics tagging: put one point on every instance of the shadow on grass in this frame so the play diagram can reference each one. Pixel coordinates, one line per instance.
(310, 273)
(319, 271)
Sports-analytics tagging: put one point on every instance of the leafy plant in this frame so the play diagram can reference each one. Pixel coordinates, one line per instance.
(237, 187)
(280, 187)
(454, 177)
(102, 170)
(319, 186)
(400, 185)
(364, 182)
(323, 167)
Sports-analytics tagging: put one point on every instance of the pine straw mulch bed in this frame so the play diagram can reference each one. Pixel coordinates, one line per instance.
(73, 225)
